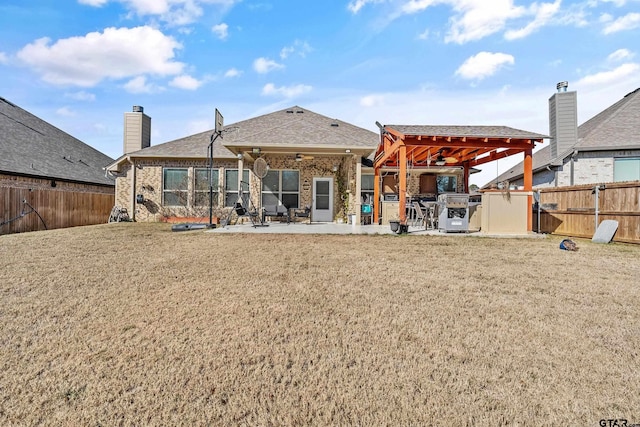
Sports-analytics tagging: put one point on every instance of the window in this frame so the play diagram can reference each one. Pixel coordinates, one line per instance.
(231, 185)
(281, 186)
(626, 169)
(447, 183)
(175, 187)
(366, 189)
(201, 187)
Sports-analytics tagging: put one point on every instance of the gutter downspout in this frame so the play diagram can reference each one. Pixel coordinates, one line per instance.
(132, 202)
(358, 195)
(573, 155)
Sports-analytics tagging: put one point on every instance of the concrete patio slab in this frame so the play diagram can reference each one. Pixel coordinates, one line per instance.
(333, 228)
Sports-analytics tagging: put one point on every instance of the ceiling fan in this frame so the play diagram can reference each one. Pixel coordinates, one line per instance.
(301, 157)
(444, 160)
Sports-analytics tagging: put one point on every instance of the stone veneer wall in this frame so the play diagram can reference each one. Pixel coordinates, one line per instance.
(149, 183)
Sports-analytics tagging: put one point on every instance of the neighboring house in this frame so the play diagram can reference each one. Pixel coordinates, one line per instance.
(313, 160)
(605, 148)
(47, 170)
(48, 179)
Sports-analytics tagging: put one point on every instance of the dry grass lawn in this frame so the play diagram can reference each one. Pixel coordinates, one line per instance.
(131, 324)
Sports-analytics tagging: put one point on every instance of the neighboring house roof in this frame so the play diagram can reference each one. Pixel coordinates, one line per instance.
(467, 131)
(615, 128)
(32, 147)
(289, 130)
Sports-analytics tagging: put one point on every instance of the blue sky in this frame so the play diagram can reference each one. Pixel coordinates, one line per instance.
(81, 64)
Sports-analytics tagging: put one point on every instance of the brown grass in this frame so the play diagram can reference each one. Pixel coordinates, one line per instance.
(131, 324)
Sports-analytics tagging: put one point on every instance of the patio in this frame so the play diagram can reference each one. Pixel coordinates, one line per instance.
(334, 228)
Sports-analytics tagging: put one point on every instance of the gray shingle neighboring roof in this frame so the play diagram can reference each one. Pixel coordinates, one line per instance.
(614, 128)
(30, 146)
(468, 131)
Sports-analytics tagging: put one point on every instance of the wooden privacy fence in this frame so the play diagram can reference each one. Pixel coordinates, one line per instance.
(51, 207)
(572, 211)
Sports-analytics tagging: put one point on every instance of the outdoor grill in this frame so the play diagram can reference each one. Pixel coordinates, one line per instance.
(453, 212)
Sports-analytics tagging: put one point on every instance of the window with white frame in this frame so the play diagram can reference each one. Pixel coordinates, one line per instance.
(281, 187)
(447, 183)
(627, 169)
(175, 187)
(201, 187)
(231, 185)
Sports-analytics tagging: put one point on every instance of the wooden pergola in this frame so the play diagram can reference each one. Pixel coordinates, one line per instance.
(403, 146)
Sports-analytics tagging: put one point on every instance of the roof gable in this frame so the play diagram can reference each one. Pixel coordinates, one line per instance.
(30, 146)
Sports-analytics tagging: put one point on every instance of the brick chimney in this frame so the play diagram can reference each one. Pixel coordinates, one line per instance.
(137, 130)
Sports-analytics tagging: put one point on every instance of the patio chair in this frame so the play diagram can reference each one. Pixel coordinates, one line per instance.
(303, 213)
(278, 211)
(431, 216)
(418, 215)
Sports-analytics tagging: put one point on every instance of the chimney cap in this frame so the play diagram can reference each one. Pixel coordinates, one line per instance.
(562, 86)
(138, 109)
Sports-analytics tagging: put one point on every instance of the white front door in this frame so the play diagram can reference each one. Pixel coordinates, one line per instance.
(322, 210)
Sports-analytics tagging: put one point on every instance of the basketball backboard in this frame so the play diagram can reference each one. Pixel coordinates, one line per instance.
(219, 122)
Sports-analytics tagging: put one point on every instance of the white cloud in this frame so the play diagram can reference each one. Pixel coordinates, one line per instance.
(232, 72)
(185, 82)
(221, 31)
(81, 96)
(174, 12)
(415, 6)
(355, 5)
(265, 65)
(617, 3)
(139, 85)
(85, 61)
(476, 19)
(620, 55)
(484, 64)
(424, 35)
(299, 47)
(65, 112)
(286, 91)
(543, 14)
(605, 77)
(628, 22)
(372, 101)
(95, 3)
(3, 58)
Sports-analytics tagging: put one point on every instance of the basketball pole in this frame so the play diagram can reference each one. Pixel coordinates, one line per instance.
(214, 136)
(219, 124)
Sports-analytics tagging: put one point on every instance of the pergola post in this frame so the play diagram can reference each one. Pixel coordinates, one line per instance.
(376, 195)
(358, 197)
(528, 186)
(402, 184)
(465, 168)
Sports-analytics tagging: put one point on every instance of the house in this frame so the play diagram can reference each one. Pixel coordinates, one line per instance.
(312, 160)
(605, 148)
(48, 178)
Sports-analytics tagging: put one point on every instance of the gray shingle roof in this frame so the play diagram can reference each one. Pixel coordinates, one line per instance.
(30, 146)
(613, 128)
(295, 128)
(468, 131)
